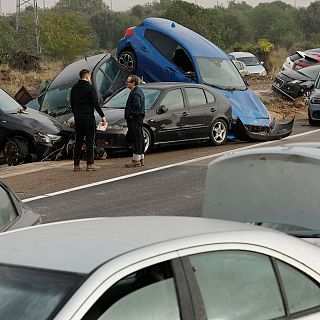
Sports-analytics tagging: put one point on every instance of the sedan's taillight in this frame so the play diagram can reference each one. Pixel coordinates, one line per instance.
(129, 32)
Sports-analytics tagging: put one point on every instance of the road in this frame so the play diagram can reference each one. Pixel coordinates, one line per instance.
(171, 183)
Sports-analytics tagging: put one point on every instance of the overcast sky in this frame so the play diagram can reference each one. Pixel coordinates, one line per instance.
(9, 6)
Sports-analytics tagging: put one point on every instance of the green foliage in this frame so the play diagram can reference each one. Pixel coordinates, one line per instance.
(265, 45)
(9, 42)
(87, 7)
(65, 35)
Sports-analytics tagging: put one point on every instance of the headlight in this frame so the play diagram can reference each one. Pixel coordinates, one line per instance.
(46, 137)
(315, 100)
(115, 127)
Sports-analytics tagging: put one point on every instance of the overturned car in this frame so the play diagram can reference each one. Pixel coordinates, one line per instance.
(162, 50)
(29, 135)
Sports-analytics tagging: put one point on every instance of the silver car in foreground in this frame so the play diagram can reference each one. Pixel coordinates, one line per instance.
(145, 268)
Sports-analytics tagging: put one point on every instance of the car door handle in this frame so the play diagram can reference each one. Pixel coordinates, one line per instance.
(4, 121)
(184, 114)
(213, 110)
(170, 70)
(144, 49)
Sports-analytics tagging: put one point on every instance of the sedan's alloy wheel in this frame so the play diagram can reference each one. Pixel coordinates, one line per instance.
(219, 131)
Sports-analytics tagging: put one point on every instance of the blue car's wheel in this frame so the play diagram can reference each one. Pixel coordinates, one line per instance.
(127, 60)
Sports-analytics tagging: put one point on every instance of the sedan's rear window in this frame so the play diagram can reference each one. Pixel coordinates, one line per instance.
(33, 294)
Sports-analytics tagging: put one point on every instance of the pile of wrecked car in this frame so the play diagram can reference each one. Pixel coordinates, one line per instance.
(160, 50)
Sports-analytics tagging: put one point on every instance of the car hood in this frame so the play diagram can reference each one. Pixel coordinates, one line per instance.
(289, 75)
(277, 185)
(114, 116)
(256, 69)
(38, 121)
(247, 106)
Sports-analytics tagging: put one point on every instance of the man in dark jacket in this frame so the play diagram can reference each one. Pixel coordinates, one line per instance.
(84, 101)
(134, 114)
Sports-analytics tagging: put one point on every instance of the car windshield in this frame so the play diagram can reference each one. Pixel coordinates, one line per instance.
(57, 101)
(220, 73)
(119, 100)
(33, 294)
(310, 72)
(7, 103)
(294, 230)
(249, 61)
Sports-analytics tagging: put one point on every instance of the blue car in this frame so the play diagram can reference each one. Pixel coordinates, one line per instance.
(314, 104)
(162, 50)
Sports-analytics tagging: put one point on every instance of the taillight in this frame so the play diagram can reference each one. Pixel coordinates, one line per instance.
(129, 32)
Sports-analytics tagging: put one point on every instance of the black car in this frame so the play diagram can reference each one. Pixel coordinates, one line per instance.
(107, 77)
(175, 113)
(13, 213)
(293, 84)
(26, 134)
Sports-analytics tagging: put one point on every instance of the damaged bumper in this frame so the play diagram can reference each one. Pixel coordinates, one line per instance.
(274, 131)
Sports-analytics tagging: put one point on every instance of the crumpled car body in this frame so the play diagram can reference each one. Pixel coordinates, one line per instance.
(28, 135)
(293, 84)
(107, 76)
(163, 50)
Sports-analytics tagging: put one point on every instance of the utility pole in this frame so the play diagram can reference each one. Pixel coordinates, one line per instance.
(20, 6)
(111, 5)
(0, 8)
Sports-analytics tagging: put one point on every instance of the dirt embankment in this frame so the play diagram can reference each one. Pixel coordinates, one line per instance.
(279, 108)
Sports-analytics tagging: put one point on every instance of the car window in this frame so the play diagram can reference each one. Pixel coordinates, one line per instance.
(196, 97)
(106, 75)
(8, 211)
(161, 42)
(182, 60)
(34, 293)
(7, 103)
(146, 294)
(295, 57)
(173, 100)
(238, 285)
(57, 101)
(249, 61)
(119, 100)
(210, 97)
(302, 293)
(311, 72)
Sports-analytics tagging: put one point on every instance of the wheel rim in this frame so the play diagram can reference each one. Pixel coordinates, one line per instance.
(126, 61)
(219, 132)
(146, 138)
(12, 154)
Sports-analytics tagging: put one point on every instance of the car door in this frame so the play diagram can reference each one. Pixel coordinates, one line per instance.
(245, 284)
(171, 117)
(202, 109)
(108, 76)
(175, 61)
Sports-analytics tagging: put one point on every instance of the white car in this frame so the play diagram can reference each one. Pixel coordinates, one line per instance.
(241, 67)
(254, 66)
(166, 268)
(288, 64)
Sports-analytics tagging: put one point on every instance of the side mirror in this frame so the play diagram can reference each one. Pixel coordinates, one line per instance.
(191, 75)
(163, 109)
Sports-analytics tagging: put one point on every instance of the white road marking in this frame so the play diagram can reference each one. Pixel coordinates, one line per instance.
(52, 194)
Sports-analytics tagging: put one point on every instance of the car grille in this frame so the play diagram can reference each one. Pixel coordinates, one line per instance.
(316, 114)
(278, 82)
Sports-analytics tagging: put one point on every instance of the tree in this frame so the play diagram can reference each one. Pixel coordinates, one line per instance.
(88, 7)
(65, 35)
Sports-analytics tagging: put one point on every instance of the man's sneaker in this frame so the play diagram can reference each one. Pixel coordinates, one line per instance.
(77, 168)
(142, 162)
(133, 164)
(92, 167)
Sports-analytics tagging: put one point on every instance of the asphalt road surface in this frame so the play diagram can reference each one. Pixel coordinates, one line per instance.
(171, 183)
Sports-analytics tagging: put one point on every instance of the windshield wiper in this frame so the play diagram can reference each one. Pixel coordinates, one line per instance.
(215, 86)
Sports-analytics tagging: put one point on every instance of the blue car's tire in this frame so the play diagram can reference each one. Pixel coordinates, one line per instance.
(127, 59)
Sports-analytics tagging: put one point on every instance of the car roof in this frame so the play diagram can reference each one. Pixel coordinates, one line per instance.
(168, 85)
(82, 245)
(70, 74)
(241, 54)
(196, 44)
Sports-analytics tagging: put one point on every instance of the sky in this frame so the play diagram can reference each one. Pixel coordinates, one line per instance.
(9, 6)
